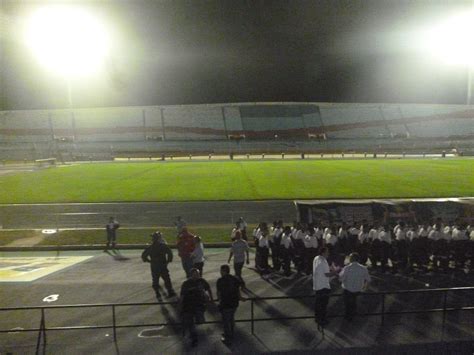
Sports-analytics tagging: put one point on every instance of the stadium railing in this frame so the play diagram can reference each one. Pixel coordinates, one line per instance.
(43, 329)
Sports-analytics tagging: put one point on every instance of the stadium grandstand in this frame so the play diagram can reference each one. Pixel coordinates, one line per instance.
(248, 128)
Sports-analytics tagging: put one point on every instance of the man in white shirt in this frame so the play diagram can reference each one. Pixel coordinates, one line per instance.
(239, 250)
(311, 250)
(286, 250)
(355, 278)
(321, 275)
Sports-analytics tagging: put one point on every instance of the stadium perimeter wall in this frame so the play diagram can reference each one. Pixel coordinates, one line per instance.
(381, 212)
(225, 128)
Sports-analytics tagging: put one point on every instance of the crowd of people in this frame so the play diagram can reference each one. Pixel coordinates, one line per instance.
(308, 249)
(400, 248)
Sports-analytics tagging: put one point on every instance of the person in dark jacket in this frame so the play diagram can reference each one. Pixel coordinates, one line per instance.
(111, 229)
(159, 255)
(195, 294)
(228, 292)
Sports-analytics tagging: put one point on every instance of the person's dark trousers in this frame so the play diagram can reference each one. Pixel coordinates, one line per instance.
(111, 240)
(158, 271)
(320, 305)
(228, 323)
(187, 263)
(238, 269)
(276, 257)
(308, 260)
(199, 266)
(350, 303)
(189, 326)
(286, 258)
(264, 258)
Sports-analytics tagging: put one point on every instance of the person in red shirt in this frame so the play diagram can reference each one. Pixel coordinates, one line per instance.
(186, 246)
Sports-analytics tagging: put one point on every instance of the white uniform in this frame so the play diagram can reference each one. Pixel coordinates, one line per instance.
(385, 236)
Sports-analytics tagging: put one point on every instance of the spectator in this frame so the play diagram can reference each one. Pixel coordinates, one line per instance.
(275, 241)
(321, 275)
(355, 278)
(198, 255)
(195, 293)
(159, 255)
(180, 225)
(242, 226)
(228, 292)
(311, 249)
(185, 246)
(263, 247)
(286, 251)
(111, 229)
(238, 251)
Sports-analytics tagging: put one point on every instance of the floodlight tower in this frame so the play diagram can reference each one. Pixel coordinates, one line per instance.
(67, 40)
(451, 42)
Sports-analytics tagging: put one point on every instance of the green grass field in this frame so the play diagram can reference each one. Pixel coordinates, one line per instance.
(242, 180)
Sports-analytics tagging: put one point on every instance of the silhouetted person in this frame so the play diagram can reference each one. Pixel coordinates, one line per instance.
(321, 286)
(228, 293)
(195, 293)
(185, 246)
(159, 255)
(355, 278)
(111, 229)
(239, 250)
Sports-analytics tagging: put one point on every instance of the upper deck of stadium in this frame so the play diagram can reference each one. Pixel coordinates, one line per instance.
(243, 127)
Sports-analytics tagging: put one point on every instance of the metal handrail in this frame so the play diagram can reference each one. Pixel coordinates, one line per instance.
(43, 329)
(378, 293)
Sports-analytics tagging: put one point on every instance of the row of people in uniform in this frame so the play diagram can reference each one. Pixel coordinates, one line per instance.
(425, 246)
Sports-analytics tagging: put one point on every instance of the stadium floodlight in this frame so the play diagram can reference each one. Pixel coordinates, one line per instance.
(451, 42)
(67, 40)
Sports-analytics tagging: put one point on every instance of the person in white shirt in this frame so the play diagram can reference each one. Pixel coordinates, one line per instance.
(275, 241)
(198, 255)
(311, 249)
(321, 286)
(353, 238)
(256, 233)
(401, 247)
(355, 278)
(341, 245)
(436, 245)
(385, 237)
(375, 249)
(460, 245)
(263, 249)
(299, 248)
(238, 251)
(242, 226)
(363, 245)
(286, 250)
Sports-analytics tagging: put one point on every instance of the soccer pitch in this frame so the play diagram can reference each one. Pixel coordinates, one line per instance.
(241, 180)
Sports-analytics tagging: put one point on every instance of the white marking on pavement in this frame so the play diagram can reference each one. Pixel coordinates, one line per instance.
(152, 333)
(51, 298)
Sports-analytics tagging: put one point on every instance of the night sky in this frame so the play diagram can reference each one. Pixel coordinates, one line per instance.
(193, 52)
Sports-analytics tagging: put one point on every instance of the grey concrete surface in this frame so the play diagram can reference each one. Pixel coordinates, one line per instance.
(142, 214)
(124, 278)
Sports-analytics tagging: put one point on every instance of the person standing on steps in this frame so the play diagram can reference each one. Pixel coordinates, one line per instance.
(321, 286)
(355, 278)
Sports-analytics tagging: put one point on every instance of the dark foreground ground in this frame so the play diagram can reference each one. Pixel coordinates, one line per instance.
(124, 278)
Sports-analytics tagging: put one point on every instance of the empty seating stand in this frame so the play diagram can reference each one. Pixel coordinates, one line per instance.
(37, 134)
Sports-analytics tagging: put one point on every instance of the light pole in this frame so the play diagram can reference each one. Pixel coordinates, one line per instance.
(469, 84)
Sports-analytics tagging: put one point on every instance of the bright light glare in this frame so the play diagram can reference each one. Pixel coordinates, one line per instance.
(452, 41)
(67, 40)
